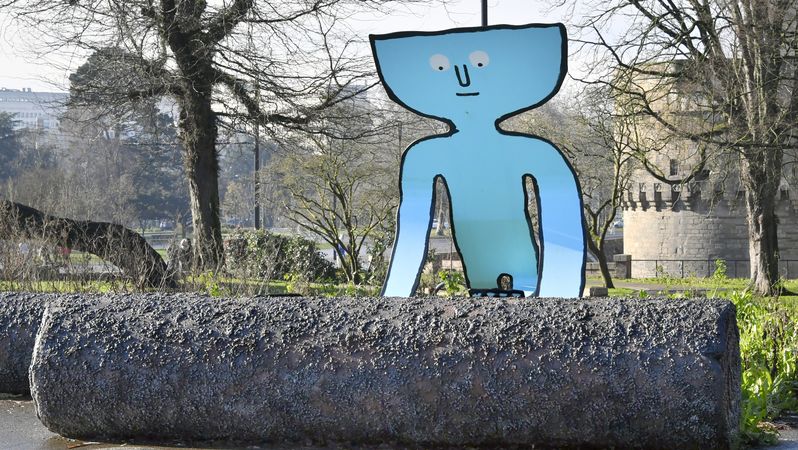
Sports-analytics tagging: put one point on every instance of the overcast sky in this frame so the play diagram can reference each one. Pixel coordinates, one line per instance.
(20, 70)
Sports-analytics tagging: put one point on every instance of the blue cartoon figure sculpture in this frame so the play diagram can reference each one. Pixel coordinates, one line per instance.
(472, 79)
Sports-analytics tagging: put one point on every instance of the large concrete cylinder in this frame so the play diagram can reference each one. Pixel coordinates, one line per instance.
(20, 316)
(426, 372)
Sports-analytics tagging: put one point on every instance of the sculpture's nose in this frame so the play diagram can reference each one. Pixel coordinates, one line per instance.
(464, 80)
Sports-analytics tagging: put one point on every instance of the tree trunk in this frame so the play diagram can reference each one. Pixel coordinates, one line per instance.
(198, 133)
(354, 263)
(349, 261)
(112, 242)
(442, 199)
(598, 251)
(441, 218)
(761, 174)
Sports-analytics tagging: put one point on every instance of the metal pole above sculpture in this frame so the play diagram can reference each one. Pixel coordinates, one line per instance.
(472, 79)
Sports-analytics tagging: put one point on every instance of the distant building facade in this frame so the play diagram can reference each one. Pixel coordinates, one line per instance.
(681, 228)
(33, 110)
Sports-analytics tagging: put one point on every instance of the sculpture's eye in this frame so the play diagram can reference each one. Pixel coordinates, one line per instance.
(479, 58)
(439, 62)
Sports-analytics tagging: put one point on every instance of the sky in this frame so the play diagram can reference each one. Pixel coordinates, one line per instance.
(20, 70)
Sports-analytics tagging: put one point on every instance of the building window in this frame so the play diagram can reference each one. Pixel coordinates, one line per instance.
(674, 167)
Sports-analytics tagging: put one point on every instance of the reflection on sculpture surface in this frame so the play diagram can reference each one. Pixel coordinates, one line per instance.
(473, 78)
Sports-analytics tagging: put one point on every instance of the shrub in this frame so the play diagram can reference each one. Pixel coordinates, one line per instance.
(453, 282)
(721, 270)
(265, 255)
(768, 347)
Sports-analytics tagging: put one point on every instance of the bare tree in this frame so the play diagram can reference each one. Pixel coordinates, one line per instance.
(341, 190)
(274, 63)
(735, 62)
(587, 130)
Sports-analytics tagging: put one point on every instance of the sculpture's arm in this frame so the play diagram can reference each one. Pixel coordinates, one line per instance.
(561, 224)
(412, 228)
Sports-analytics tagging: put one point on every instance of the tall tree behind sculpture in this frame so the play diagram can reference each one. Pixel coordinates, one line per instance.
(197, 52)
(735, 61)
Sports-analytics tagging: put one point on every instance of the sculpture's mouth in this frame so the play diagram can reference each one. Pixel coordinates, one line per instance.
(467, 94)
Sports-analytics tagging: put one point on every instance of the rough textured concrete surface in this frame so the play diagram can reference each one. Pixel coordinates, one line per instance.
(596, 373)
(20, 316)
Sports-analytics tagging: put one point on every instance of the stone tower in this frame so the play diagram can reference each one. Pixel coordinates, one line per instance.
(679, 225)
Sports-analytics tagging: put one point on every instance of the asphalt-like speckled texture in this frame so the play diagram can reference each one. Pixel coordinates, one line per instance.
(20, 316)
(424, 372)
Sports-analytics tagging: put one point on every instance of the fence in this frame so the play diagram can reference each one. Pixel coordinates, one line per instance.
(735, 268)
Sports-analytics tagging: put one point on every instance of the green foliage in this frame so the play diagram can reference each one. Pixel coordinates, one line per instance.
(124, 138)
(296, 283)
(265, 255)
(768, 347)
(344, 290)
(155, 168)
(697, 283)
(209, 283)
(720, 273)
(109, 75)
(453, 282)
(622, 292)
(9, 145)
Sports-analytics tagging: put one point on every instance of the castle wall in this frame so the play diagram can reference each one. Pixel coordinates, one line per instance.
(682, 233)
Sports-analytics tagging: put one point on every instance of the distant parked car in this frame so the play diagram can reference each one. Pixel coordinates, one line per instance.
(618, 223)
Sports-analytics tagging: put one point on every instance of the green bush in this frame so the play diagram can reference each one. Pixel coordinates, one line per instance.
(265, 255)
(453, 282)
(721, 270)
(769, 348)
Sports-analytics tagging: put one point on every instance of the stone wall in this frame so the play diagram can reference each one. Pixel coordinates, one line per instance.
(682, 233)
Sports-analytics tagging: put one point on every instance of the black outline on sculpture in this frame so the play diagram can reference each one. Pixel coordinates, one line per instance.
(453, 129)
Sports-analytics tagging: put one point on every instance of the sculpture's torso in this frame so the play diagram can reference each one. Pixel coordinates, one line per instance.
(484, 173)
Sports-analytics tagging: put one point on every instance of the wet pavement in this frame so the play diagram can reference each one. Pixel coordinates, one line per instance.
(20, 429)
(788, 433)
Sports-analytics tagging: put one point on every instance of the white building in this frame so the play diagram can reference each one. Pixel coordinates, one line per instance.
(34, 110)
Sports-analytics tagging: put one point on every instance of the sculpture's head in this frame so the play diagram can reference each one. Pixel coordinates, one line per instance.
(487, 72)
